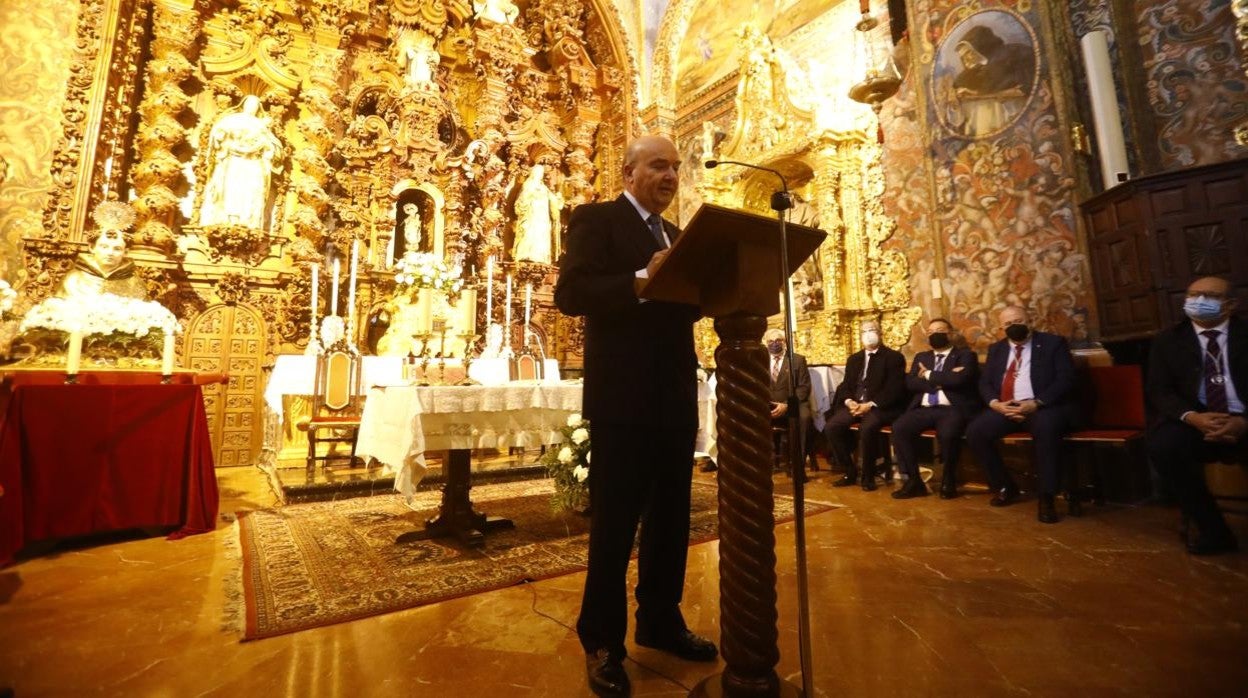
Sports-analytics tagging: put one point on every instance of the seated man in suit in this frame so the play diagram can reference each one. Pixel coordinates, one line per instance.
(946, 397)
(872, 394)
(1028, 382)
(779, 365)
(1196, 386)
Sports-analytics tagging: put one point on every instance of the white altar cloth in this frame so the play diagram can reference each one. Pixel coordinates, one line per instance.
(401, 422)
(295, 374)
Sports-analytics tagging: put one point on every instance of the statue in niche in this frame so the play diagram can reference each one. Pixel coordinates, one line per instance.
(496, 11)
(537, 218)
(411, 229)
(418, 57)
(708, 140)
(243, 153)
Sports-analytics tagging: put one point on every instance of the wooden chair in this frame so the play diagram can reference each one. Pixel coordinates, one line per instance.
(336, 402)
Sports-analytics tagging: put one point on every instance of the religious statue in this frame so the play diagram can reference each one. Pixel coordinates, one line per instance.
(537, 218)
(105, 269)
(418, 57)
(496, 11)
(411, 229)
(494, 348)
(708, 140)
(243, 153)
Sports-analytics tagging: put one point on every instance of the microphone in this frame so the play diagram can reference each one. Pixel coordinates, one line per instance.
(780, 201)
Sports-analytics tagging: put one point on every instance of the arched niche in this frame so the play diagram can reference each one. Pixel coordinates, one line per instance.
(431, 203)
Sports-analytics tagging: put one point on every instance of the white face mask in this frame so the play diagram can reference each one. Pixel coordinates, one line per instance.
(870, 339)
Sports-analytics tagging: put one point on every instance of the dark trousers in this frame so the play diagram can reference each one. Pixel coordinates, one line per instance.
(1180, 452)
(949, 423)
(1047, 426)
(638, 474)
(841, 439)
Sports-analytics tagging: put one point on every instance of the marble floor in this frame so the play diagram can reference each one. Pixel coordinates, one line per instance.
(908, 598)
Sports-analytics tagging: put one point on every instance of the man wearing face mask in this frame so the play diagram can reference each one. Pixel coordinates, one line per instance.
(1028, 383)
(778, 363)
(944, 382)
(1196, 385)
(872, 395)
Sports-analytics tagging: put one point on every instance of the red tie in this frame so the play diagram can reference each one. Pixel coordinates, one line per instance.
(1007, 383)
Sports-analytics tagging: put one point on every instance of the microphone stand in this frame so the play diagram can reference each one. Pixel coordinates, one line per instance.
(782, 201)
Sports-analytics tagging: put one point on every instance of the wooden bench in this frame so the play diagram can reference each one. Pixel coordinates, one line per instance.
(1113, 401)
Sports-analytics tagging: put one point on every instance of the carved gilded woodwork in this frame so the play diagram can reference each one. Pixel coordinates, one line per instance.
(1240, 9)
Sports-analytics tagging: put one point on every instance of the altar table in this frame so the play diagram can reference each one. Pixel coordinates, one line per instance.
(400, 423)
(77, 459)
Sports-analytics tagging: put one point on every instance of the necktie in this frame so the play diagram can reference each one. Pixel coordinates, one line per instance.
(1215, 382)
(775, 369)
(933, 398)
(862, 380)
(656, 229)
(1007, 383)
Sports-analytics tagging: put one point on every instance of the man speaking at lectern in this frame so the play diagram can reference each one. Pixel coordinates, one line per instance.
(640, 397)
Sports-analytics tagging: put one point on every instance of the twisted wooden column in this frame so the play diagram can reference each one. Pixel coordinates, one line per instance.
(747, 558)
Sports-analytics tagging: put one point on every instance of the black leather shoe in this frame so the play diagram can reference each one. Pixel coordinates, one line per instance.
(684, 644)
(1005, 497)
(606, 674)
(1212, 546)
(914, 487)
(868, 484)
(849, 479)
(1048, 512)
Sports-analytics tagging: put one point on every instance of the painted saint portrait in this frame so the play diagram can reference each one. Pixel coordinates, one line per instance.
(985, 73)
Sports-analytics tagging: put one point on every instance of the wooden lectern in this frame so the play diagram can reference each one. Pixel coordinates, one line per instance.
(728, 262)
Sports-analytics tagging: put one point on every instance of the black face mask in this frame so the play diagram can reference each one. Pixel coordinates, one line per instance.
(938, 340)
(1017, 331)
(775, 348)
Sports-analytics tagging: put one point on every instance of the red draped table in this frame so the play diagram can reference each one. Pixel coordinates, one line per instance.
(77, 459)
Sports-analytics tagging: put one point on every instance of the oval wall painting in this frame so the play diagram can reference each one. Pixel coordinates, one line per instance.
(984, 75)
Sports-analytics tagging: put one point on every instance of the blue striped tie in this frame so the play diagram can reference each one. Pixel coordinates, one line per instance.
(933, 398)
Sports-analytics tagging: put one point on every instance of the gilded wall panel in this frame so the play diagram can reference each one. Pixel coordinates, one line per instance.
(36, 50)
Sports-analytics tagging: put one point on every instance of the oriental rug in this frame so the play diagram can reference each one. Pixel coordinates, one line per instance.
(310, 565)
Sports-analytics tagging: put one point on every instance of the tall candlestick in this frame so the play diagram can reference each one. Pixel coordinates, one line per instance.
(489, 290)
(355, 250)
(73, 356)
(528, 302)
(166, 356)
(333, 306)
(507, 313)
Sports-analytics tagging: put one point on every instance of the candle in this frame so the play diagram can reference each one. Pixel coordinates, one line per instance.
(489, 290)
(73, 356)
(507, 311)
(166, 356)
(316, 289)
(333, 306)
(528, 302)
(468, 311)
(355, 249)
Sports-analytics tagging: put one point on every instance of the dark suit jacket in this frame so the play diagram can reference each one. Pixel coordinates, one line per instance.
(885, 380)
(780, 386)
(961, 387)
(1175, 366)
(640, 362)
(1052, 369)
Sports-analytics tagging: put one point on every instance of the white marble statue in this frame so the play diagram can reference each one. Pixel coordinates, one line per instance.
(496, 11)
(411, 229)
(419, 58)
(537, 218)
(243, 154)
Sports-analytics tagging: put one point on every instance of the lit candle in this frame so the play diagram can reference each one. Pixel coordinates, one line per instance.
(166, 356)
(355, 249)
(507, 313)
(489, 290)
(333, 306)
(528, 302)
(73, 356)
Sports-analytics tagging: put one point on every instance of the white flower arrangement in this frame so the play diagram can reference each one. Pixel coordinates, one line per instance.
(7, 298)
(104, 314)
(425, 270)
(569, 466)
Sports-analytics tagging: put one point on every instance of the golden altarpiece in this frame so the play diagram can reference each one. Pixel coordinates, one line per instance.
(258, 139)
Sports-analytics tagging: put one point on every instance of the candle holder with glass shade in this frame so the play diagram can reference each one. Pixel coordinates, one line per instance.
(881, 79)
